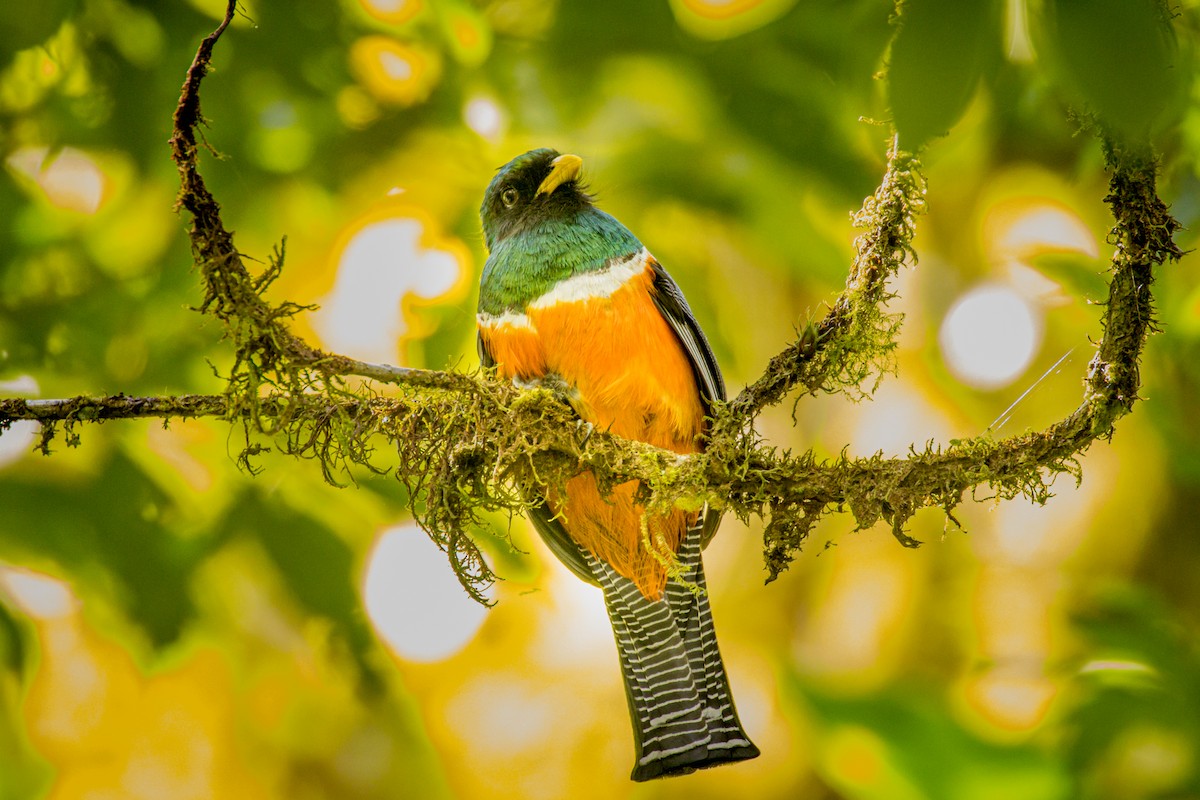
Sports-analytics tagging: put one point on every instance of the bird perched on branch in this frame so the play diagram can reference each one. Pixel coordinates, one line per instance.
(571, 300)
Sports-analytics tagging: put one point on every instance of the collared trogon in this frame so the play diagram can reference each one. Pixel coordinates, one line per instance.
(570, 299)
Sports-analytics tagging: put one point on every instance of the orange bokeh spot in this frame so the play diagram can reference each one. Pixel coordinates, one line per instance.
(466, 33)
(858, 762)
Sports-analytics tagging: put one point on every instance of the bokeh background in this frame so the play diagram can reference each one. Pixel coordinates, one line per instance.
(173, 627)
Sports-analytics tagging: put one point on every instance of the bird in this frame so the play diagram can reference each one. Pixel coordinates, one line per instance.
(570, 300)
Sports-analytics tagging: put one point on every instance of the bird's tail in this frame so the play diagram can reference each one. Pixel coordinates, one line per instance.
(679, 699)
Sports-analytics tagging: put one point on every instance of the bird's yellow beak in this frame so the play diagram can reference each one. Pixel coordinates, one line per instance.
(565, 168)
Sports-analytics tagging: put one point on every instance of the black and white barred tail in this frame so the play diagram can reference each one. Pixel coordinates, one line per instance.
(679, 699)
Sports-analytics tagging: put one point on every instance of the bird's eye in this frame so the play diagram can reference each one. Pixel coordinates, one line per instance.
(510, 197)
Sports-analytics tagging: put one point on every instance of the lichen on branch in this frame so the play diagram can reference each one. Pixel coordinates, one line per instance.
(857, 337)
(468, 443)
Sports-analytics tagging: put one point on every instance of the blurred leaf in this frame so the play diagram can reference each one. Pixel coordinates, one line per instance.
(317, 568)
(1119, 58)
(12, 642)
(914, 749)
(1140, 690)
(111, 538)
(24, 25)
(23, 773)
(940, 52)
(1081, 274)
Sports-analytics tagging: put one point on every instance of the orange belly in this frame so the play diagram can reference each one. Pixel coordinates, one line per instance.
(634, 379)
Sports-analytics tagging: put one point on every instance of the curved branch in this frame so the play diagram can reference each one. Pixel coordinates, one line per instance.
(267, 349)
(894, 489)
(856, 338)
(470, 443)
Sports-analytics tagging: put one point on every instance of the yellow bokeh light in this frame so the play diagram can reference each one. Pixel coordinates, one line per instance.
(723, 19)
(394, 72)
(17, 441)
(466, 33)
(40, 596)
(109, 731)
(990, 336)
(504, 715)
(857, 756)
(393, 12)
(414, 600)
(1013, 614)
(356, 107)
(485, 116)
(501, 725)
(856, 623)
(1033, 535)
(385, 261)
(857, 760)
(177, 447)
(889, 424)
(1148, 761)
(1023, 227)
(1011, 701)
(69, 179)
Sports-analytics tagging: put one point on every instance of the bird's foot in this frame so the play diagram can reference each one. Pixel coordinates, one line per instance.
(585, 429)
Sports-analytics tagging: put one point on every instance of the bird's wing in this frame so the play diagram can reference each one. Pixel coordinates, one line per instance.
(560, 543)
(674, 308)
(544, 521)
(485, 356)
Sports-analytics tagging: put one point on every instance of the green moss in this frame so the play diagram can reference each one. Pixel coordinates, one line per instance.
(468, 444)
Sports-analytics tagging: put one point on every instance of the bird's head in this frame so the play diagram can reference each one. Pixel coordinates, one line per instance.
(532, 188)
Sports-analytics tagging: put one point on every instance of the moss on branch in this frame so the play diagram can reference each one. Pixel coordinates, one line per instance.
(857, 338)
(469, 444)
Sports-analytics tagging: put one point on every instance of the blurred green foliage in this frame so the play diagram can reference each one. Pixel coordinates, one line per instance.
(941, 52)
(735, 148)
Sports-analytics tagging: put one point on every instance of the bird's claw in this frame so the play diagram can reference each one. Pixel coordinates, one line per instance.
(587, 428)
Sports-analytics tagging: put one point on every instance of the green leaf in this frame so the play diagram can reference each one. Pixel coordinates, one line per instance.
(12, 642)
(939, 54)
(1119, 58)
(922, 751)
(1140, 690)
(317, 567)
(110, 538)
(1083, 275)
(24, 25)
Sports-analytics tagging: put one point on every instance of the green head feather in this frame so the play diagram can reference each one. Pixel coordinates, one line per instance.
(541, 227)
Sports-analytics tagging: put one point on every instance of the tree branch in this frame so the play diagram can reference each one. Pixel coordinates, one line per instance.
(469, 443)
(856, 338)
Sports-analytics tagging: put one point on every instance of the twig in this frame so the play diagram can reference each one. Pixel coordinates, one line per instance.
(469, 443)
(856, 337)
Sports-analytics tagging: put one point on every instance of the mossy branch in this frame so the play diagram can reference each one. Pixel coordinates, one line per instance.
(857, 338)
(268, 353)
(468, 443)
